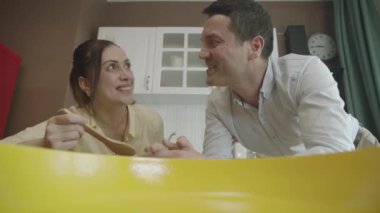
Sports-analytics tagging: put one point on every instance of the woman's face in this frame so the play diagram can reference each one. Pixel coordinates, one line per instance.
(116, 79)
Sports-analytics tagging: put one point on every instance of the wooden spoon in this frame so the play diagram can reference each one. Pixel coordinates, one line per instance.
(118, 147)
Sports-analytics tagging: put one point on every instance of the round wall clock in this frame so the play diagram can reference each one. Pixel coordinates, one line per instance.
(322, 46)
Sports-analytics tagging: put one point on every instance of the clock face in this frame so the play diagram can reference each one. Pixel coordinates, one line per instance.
(322, 46)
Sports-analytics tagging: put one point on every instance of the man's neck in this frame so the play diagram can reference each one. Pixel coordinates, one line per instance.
(250, 85)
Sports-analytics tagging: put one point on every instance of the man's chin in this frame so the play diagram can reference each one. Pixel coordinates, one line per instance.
(214, 83)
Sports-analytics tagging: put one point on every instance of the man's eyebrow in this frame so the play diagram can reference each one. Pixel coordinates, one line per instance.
(212, 36)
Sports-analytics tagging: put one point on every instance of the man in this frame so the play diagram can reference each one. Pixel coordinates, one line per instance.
(273, 106)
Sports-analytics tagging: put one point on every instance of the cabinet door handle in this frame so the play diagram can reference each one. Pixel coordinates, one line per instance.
(147, 83)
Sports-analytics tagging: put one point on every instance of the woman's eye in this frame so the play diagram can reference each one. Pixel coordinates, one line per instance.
(115, 67)
(112, 67)
(128, 65)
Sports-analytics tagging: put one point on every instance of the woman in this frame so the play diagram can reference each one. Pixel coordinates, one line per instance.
(102, 84)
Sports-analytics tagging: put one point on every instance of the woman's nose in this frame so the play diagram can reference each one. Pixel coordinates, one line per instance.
(203, 54)
(126, 74)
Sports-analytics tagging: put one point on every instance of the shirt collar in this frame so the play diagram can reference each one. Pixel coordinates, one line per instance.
(131, 132)
(238, 100)
(268, 82)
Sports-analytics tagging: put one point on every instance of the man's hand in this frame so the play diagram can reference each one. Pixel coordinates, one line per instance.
(181, 149)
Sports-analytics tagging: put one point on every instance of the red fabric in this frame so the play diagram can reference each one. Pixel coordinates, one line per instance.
(9, 68)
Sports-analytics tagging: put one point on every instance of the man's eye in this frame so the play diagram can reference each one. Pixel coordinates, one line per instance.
(213, 43)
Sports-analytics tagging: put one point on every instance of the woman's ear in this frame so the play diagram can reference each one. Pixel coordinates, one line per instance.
(256, 47)
(84, 84)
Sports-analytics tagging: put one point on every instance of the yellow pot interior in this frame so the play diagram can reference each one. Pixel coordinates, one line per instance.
(44, 180)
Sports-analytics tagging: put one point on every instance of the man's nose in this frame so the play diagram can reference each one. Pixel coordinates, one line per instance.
(203, 54)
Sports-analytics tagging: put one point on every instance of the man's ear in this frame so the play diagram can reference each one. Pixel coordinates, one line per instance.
(256, 47)
(84, 84)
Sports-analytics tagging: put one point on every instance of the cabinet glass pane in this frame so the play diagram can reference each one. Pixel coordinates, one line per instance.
(171, 78)
(193, 60)
(174, 40)
(196, 79)
(194, 41)
(172, 59)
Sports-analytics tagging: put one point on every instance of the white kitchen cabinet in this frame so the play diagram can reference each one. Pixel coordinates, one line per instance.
(139, 45)
(178, 69)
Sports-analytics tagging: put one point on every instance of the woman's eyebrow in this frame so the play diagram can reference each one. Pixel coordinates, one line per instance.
(109, 61)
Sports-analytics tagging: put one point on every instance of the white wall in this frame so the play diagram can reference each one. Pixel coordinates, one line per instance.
(184, 120)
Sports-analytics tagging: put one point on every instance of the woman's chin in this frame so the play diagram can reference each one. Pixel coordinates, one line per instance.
(127, 100)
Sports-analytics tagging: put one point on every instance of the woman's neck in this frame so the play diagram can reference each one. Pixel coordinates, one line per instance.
(113, 120)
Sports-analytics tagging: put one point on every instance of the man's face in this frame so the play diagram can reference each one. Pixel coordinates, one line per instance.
(226, 58)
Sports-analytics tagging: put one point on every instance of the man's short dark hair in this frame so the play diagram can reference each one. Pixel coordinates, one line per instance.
(248, 20)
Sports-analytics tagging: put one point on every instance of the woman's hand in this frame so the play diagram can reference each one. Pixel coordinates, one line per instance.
(63, 130)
